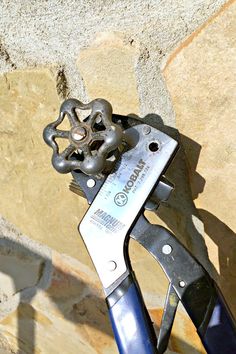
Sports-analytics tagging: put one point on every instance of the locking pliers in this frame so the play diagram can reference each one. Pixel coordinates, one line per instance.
(118, 164)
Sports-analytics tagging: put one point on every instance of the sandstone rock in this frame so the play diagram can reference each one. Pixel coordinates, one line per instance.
(62, 308)
(33, 195)
(201, 78)
(107, 68)
(67, 310)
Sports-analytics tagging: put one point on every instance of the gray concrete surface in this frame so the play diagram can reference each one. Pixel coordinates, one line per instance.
(54, 32)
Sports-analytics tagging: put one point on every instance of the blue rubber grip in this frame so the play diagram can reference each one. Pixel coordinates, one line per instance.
(220, 334)
(130, 324)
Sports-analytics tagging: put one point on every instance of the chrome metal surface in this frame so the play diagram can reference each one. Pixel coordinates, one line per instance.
(121, 197)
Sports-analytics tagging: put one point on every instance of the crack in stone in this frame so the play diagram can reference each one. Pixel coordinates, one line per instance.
(5, 55)
(62, 84)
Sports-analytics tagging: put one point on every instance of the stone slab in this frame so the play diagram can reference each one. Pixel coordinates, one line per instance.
(108, 70)
(34, 196)
(200, 76)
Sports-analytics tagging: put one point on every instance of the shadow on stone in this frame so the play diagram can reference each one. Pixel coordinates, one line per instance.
(75, 300)
(184, 219)
(225, 239)
(179, 212)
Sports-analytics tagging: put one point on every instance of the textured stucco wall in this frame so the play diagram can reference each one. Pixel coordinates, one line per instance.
(168, 59)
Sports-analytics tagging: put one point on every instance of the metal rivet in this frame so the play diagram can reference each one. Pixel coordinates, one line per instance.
(166, 249)
(146, 130)
(182, 284)
(91, 183)
(111, 266)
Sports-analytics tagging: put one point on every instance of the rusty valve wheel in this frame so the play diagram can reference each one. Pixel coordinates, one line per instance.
(92, 139)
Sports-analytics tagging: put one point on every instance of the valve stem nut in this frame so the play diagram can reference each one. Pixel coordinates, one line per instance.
(78, 133)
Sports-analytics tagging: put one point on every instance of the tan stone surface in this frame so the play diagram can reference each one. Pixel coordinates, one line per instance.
(36, 199)
(68, 311)
(69, 315)
(201, 78)
(33, 195)
(108, 70)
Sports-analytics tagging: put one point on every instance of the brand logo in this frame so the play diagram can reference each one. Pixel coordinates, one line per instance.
(106, 220)
(132, 179)
(121, 198)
